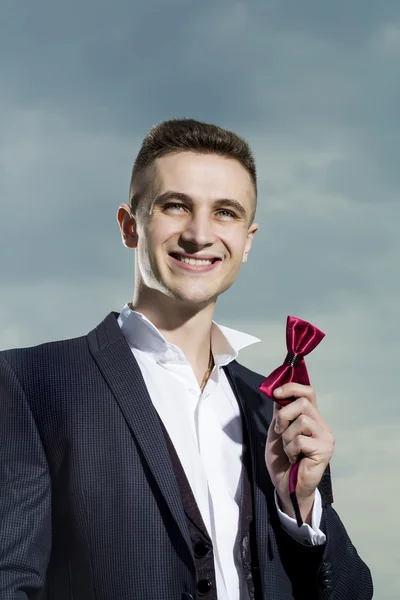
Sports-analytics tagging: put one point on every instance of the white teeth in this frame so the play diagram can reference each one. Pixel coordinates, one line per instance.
(194, 261)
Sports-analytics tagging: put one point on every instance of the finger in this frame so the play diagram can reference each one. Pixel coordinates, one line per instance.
(292, 411)
(319, 451)
(306, 446)
(303, 425)
(290, 390)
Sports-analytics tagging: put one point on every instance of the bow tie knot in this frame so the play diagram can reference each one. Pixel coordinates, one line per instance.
(292, 359)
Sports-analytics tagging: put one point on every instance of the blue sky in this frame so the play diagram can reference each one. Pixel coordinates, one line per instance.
(315, 89)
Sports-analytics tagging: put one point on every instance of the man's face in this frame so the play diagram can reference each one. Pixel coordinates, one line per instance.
(194, 232)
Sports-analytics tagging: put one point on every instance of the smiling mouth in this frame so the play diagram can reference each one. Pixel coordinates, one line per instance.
(200, 262)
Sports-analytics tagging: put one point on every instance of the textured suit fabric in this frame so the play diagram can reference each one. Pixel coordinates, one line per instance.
(89, 504)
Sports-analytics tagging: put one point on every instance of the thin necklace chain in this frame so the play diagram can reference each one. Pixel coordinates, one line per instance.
(208, 372)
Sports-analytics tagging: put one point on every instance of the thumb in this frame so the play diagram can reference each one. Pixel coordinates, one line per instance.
(277, 408)
(275, 412)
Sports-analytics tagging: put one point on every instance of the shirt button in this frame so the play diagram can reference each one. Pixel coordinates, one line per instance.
(203, 587)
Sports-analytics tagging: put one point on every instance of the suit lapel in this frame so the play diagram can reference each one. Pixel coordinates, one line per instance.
(119, 368)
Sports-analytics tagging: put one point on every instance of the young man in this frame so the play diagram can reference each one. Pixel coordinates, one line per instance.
(140, 461)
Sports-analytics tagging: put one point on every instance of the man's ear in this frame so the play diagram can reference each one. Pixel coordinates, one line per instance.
(127, 225)
(250, 237)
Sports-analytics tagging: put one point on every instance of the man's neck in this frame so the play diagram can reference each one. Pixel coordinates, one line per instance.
(187, 328)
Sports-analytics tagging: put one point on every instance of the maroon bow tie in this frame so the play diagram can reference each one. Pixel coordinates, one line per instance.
(301, 339)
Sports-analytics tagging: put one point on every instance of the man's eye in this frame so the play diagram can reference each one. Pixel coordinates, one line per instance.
(226, 213)
(174, 205)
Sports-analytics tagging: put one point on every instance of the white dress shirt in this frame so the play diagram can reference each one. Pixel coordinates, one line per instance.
(206, 431)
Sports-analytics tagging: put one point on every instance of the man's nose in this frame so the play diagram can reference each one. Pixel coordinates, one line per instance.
(199, 231)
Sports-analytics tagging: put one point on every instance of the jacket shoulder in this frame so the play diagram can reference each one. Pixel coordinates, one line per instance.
(41, 352)
(54, 351)
(37, 367)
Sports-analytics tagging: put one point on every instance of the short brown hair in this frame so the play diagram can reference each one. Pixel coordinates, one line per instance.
(183, 135)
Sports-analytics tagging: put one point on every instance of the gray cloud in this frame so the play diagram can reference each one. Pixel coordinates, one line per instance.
(313, 86)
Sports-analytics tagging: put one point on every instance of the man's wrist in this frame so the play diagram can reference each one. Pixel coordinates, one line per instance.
(305, 505)
(309, 534)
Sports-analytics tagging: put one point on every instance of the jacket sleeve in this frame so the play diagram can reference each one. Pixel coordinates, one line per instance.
(333, 571)
(25, 495)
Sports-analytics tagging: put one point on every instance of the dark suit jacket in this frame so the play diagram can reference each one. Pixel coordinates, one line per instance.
(89, 504)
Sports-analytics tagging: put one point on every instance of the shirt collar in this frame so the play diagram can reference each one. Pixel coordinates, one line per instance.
(141, 334)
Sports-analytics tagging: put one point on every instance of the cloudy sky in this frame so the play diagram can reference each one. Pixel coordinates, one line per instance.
(315, 88)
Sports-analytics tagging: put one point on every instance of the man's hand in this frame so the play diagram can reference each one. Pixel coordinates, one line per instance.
(296, 429)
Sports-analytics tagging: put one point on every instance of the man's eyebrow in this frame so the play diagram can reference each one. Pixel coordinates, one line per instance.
(170, 194)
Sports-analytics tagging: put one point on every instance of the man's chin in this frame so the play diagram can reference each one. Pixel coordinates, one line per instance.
(194, 298)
